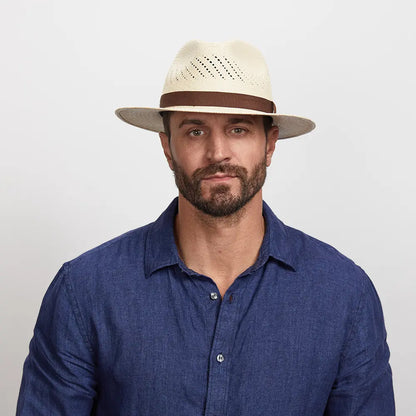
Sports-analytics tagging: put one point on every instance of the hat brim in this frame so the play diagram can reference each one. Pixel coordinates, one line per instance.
(150, 118)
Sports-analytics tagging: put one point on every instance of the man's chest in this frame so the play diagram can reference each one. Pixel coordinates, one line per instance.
(183, 344)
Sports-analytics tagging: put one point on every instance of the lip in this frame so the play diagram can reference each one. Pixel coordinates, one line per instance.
(218, 178)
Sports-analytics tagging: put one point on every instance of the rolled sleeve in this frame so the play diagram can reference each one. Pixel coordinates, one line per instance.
(364, 382)
(58, 374)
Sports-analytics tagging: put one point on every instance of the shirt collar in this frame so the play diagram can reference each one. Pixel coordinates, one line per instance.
(277, 242)
(161, 248)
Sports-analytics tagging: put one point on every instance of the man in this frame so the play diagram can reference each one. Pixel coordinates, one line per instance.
(217, 308)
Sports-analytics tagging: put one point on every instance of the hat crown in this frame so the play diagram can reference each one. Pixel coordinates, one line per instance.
(234, 67)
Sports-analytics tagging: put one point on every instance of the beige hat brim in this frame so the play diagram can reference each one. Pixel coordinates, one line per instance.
(150, 118)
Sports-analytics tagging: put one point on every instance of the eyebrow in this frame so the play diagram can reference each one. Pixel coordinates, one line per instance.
(236, 120)
(198, 122)
(191, 121)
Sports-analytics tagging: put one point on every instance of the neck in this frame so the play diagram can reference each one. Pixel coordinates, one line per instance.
(221, 248)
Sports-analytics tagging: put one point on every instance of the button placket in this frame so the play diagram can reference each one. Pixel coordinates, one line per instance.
(223, 340)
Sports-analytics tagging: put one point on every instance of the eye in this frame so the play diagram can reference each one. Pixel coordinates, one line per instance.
(238, 130)
(196, 133)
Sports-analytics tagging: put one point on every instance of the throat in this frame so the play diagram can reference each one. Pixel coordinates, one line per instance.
(221, 249)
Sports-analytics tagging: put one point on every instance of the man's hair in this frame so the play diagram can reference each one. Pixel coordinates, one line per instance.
(166, 122)
(267, 123)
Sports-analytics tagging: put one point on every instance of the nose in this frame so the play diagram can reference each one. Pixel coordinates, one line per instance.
(218, 147)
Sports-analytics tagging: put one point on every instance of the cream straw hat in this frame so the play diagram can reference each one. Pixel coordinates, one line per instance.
(227, 78)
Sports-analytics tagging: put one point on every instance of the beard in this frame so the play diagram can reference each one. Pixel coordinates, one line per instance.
(220, 202)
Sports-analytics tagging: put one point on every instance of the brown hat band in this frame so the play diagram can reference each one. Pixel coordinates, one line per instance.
(216, 99)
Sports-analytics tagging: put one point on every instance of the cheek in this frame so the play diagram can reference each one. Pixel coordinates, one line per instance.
(251, 149)
(186, 160)
(256, 155)
(179, 152)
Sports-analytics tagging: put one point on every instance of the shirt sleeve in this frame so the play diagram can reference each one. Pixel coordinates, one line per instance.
(363, 386)
(58, 374)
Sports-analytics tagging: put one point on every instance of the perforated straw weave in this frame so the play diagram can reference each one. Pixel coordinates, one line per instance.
(219, 67)
(226, 77)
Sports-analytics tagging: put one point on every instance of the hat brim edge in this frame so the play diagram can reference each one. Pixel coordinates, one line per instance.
(150, 119)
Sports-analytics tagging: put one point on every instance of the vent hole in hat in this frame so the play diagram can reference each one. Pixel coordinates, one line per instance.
(241, 72)
(225, 68)
(200, 73)
(214, 66)
(189, 72)
(232, 67)
(205, 67)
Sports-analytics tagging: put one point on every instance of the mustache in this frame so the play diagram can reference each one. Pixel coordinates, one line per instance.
(232, 170)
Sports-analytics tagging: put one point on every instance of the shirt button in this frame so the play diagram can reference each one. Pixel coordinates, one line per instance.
(220, 358)
(213, 296)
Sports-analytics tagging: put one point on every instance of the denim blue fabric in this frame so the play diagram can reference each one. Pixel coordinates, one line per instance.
(128, 329)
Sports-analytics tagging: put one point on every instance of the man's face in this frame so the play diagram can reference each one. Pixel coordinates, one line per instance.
(219, 160)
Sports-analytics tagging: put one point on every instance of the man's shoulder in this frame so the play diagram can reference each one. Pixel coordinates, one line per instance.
(316, 259)
(120, 253)
(313, 247)
(126, 256)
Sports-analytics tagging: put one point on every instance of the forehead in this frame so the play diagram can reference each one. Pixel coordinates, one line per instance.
(178, 119)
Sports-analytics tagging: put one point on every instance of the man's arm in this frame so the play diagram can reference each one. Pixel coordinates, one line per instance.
(58, 375)
(363, 386)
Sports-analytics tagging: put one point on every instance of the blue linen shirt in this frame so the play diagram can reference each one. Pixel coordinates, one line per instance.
(128, 329)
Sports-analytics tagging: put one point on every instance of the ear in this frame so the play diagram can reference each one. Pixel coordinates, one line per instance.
(272, 137)
(164, 140)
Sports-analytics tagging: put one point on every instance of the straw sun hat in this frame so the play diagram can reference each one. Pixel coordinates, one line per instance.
(227, 78)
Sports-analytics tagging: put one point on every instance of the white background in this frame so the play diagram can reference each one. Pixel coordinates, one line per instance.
(73, 175)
